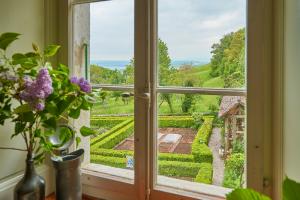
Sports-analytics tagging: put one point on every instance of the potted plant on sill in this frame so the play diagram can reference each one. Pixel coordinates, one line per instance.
(36, 96)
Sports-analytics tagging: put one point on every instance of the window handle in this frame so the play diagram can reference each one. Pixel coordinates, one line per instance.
(145, 96)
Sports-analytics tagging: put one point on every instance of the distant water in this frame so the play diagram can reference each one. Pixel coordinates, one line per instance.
(121, 64)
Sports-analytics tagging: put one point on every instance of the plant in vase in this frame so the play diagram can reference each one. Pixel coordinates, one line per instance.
(37, 98)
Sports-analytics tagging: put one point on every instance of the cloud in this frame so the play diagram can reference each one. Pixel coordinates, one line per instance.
(189, 27)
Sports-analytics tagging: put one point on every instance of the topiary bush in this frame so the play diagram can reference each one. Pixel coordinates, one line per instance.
(205, 173)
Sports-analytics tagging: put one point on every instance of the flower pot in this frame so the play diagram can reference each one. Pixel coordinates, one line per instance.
(31, 186)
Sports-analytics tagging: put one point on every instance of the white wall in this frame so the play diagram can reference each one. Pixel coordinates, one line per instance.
(292, 90)
(25, 17)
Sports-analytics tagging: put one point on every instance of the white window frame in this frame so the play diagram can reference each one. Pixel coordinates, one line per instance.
(105, 185)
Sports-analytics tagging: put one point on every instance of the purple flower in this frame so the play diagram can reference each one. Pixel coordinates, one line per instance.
(74, 80)
(37, 90)
(39, 106)
(82, 83)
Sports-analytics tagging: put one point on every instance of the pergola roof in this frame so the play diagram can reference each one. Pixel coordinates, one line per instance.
(229, 103)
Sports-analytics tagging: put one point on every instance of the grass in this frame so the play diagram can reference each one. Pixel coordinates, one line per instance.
(202, 103)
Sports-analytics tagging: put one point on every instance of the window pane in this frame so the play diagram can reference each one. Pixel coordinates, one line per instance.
(108, 30)
(201, 139)
(204, 46)
(112, 118)
(112, 42)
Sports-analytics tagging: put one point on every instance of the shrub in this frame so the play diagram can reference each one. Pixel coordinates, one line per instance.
(116, 137)
(110, 161)
(109, 132)
(176, 122)
(200, 150)
(176, 157)
(112, 152)
(205, 173)
(238, 146)
(166, 168)
(124, 153)
(103, 123)
(202, 153)
(234, 171)
(180, 169)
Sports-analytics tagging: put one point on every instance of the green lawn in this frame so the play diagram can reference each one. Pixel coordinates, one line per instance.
(202, 103)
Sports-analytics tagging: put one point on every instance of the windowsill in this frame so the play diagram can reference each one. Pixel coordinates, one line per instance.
(188, 188)
(107, 172)
(164, 184)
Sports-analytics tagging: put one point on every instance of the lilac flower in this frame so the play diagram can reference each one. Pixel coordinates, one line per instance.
(74, 80)
(39, 106)
(37, 90)
(82, 83)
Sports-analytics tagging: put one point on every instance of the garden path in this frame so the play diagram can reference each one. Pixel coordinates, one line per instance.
(218, 163)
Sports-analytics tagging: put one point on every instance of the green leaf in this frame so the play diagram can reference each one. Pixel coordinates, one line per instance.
(86, 131)
(246, 194)
(78, 140)
(22, 108)
(7, 38)
(50, 123)
(75, 113)
(26, 117)
(51, 50)
(19, 127)
(291, 190)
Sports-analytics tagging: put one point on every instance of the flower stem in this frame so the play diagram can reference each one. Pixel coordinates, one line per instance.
(12, 148)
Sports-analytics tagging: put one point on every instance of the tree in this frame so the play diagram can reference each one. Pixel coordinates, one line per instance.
(228, 59)
(188, 98)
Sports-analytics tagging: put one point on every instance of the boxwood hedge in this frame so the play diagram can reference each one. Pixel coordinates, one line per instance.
(200, 150)
(110, 132)
(205, 173)
(115, 138)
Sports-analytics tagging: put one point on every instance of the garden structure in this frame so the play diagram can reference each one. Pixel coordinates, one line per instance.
(232, 110)
(183, 151)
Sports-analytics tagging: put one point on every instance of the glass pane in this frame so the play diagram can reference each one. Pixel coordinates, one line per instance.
(204, 46)
(113, 119)
(112, 42)
(108, 30)
(201, 139)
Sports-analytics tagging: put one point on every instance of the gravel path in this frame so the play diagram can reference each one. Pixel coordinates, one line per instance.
(218, 163)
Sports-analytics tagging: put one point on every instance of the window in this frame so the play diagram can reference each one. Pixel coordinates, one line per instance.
(178, 113)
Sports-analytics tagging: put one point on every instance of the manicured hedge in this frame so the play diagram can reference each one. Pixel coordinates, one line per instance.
(234, 169)
(166, 168)
(124, 153)
(110, 161)
(205, 173)
(110, 132)
(202, 153)
(176, 157)
(176, 122)
(116, 137)
(179, 169)
(200, 150)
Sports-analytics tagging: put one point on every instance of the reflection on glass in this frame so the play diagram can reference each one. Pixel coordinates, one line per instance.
(201, 138)
(204, 46)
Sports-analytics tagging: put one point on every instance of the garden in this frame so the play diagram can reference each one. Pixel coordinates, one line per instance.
(200, 138)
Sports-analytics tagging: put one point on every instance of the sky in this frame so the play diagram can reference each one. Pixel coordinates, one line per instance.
(189, 27)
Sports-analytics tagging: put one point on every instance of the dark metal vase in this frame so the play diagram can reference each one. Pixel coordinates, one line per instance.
(31, 186)
(68, 174)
